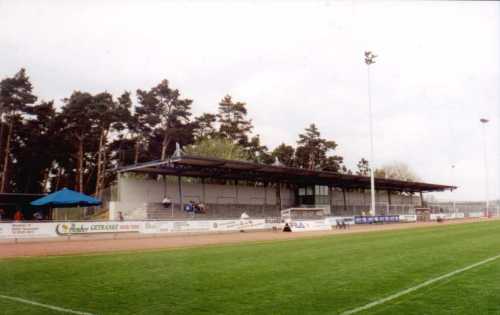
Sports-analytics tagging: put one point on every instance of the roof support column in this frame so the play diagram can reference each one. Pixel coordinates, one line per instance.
(179, 183)
(278, 195)
(203, 196)
(345, 199)
(265, 198)
(330, 198)
(236, 191)
(421, 199)
(389, 202)
(164, 186)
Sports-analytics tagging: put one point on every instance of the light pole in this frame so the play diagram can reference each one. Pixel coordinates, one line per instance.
(453, 183)
(369, 60)
(484, 121)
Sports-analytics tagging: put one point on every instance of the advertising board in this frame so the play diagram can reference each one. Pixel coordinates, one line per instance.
(27, 230)
(309, 225)
(333, 220)
(199, 226)
(477, 214)
(376, 219)
(83, 227)
(407, 218)
(447, 216)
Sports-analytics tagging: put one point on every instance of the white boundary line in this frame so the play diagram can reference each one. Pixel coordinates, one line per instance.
(424, 284)
(51, 307)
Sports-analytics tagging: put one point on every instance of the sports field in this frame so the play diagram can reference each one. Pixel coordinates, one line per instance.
(328, 275)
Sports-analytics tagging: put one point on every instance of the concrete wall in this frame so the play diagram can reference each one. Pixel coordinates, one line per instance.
(135, 194)
(132, 190)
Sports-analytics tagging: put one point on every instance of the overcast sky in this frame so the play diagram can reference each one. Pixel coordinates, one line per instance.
(437, 74)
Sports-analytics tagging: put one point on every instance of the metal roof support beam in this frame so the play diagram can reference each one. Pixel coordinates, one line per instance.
(181, 203)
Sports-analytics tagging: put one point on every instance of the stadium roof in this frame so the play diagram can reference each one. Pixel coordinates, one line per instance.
(202, 167)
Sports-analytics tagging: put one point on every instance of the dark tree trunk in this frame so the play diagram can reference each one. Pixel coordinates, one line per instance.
(164, 146)
(165, 142)
(100, 163)
(6, 158)
(136, 151)
(80, 164)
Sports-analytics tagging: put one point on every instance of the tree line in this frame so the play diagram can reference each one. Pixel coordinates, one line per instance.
(44, 148)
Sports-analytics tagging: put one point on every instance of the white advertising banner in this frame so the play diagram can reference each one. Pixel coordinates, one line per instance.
(83, 227)
(310, 225)
(54, 229)
(333, 220)
(447, 216)
(407, 218)
(27, 230)
(197, 226)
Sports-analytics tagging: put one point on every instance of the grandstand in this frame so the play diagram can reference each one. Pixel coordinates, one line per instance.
(227, 188)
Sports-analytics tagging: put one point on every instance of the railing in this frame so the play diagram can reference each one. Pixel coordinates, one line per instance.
(158, 211)
(380, 209)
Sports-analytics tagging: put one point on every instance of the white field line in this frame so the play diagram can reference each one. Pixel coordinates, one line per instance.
(51, 307)
(415, 288)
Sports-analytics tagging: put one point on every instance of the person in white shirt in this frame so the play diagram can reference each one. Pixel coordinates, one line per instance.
(166, 202)
(244, 216)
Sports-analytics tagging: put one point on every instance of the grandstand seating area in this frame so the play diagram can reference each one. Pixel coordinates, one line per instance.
(156, 211)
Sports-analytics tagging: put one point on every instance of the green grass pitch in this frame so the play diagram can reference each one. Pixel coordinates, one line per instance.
(327, 275)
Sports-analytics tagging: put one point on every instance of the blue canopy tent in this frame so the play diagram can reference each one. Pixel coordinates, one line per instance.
(66, 198)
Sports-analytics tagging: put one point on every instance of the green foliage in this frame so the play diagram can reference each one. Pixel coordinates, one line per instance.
(363, 167)
(312, 151)
(217, 148)
(285, 154)
(204, 126)
(16, 93)
(34, 149)
(15, 98)
(396, 170)
(233, 123)
(166, 114)
(322, 275)
(42, 148)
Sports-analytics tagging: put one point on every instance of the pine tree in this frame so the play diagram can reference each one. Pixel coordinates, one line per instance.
(78, 125)
(109, 116)
(15, 97)
(33, 149)
(204, 126)
(312, 151)
(363, 167)
(164, 112)
(233, 122)
(285, 154)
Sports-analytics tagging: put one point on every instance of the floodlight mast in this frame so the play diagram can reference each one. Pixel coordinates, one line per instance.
(484, 121)
(369, 60)
(453, 183)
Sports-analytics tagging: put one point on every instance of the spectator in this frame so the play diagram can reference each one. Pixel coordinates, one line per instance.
(120, 216)
(201, 208)
(166, 202)
(287, 228)
(189, 207)
(2, 214)
(244, 216)
(344, 225)
(38, 215)
(18, 216)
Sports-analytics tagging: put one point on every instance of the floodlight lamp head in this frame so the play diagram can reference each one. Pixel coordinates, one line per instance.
(370, 57)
